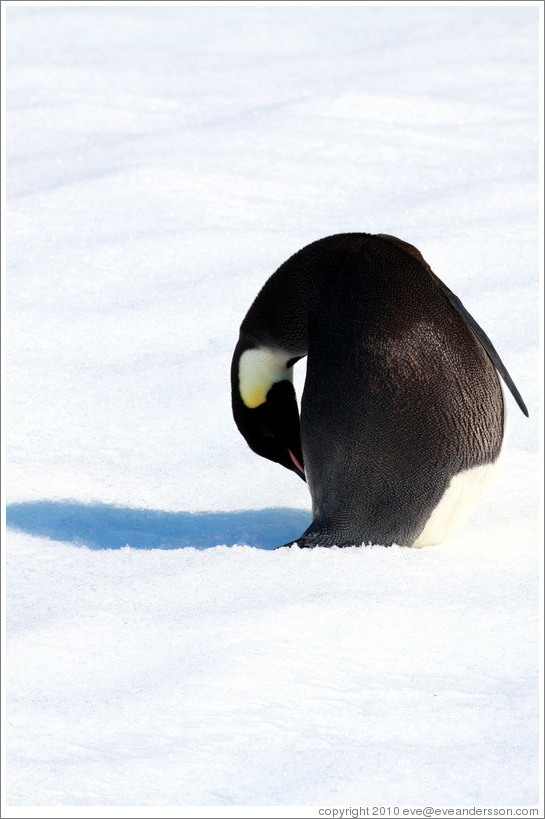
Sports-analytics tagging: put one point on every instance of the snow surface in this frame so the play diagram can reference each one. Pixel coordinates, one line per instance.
(162, 161)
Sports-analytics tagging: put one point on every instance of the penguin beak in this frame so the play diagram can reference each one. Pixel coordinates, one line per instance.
(297, 465)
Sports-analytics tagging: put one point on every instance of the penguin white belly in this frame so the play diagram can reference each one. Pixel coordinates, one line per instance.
(461, 495)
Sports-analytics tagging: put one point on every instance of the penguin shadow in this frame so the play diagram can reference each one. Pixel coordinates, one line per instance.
(102, 526)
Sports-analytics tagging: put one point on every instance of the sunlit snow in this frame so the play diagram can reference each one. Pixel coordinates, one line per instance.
(162, 162)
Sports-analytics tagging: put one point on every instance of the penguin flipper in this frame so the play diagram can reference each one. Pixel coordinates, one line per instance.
(486, 343)
(457, 304)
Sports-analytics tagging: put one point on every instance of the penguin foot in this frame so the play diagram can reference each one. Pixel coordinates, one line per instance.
(286, 545)
(302, 543)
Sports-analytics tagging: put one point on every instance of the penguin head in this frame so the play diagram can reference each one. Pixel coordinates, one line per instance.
(264, 404)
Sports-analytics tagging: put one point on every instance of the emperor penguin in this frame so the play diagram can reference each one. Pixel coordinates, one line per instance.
(402, 413)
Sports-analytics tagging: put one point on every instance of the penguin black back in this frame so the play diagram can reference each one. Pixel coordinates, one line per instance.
(402, 413)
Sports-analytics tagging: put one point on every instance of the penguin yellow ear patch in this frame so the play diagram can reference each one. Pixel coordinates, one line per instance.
(258, 370)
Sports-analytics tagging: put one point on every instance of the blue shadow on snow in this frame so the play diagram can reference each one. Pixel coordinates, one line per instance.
(101, 526)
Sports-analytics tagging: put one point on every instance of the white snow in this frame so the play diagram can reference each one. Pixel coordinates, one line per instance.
(162, 162)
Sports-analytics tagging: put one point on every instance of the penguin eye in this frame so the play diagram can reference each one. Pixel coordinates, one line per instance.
(293, 361)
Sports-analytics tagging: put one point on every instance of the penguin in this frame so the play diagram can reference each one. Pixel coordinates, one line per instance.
(402, 414)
